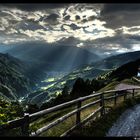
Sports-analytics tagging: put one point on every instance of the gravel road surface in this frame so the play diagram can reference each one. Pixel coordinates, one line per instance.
(128, 123)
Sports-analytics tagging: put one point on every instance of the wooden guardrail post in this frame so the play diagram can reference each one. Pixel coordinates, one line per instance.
(78, 117)
(133, 93)
(102, 104)
(125, 95)
(115, 99)
(25, 126)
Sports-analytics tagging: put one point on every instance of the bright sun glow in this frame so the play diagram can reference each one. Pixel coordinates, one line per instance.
(136, 47)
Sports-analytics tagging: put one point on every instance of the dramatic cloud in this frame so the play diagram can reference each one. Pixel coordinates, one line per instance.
(34, 6)
(102, 28)
(118, 15)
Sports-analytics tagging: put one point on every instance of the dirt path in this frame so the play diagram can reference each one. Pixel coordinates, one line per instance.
(128, 123)
(125, 86)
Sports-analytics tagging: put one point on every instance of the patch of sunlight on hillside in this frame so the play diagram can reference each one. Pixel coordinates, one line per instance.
(75, 71)
(49, 86)
(58, 92)
(49, 80)
(62, 83)
(72, 77)
(88, 68)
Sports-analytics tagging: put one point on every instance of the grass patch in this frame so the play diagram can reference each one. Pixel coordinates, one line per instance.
(45, 120)
(110, 86)
(130, 81)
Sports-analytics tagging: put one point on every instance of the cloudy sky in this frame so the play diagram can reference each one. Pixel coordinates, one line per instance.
(104, 28)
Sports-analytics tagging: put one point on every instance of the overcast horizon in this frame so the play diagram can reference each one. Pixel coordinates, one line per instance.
(103, 28)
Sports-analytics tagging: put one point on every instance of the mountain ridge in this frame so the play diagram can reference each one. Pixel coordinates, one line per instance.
(50, 57)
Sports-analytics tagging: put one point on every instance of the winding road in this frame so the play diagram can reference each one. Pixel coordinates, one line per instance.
(125, 86)
(128, 123)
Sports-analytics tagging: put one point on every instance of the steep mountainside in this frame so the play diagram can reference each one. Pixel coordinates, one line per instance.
(126, 71)
(117, 60)
(13, 81)
(123, 74)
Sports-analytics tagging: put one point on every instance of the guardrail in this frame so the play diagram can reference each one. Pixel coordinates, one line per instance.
(25, 121)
